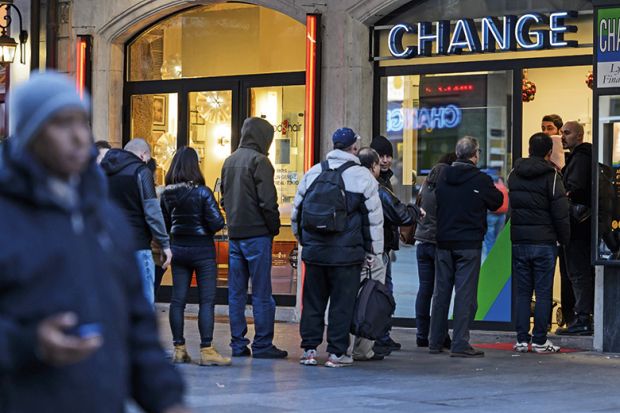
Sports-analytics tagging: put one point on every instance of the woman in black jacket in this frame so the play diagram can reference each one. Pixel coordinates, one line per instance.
(192, 218)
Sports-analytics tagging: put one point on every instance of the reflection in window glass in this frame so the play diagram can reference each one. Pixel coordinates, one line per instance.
(218, 40)
(283, 107)
(154, 119)
(609, 178)
(424, 116)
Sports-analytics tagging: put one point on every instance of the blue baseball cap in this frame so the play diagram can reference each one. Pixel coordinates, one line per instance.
(344, 137)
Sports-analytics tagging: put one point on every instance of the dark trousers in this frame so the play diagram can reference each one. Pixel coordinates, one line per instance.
(425, 253)
(185, 261)
(533, 268)
(581, 275)
(458, 270)
(567, 296)
(250, 259)
(339, 286)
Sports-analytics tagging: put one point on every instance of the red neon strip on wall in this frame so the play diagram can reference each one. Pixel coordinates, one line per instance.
(309, 132)
(80, 69)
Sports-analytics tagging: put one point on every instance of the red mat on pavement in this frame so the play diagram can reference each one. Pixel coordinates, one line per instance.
(508, 347)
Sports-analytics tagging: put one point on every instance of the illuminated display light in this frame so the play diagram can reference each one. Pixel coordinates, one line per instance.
(312, 83)
(437, 117)
(465, 87)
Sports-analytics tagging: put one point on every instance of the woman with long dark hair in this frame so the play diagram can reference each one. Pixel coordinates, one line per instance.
(192, 218)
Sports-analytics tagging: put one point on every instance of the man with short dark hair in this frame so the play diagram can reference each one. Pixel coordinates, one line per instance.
(578, 184)
(464, 193)
(334, 259)
(76, 333)
(102, 148)
(132, 187)
(539, 221)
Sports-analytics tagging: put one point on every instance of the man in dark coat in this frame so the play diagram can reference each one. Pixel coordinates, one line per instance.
(251, 204)
(578, 184)
(464, 193)
(76, 333)
(539, 221)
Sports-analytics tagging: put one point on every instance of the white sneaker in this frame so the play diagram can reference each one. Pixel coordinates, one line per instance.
(308, 358)
(342, 361)
(548, 347)
(521, 347)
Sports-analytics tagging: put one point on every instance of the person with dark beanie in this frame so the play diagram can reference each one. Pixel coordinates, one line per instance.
(76, 332)
(539, 221)
(383, 146)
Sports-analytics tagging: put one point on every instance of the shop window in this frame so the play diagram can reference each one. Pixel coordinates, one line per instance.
(242, 39)
(154, 119)
(608, 180)
(424, 116)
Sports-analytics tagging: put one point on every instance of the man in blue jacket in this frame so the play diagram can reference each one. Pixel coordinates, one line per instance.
(76, 333)
(464, 193)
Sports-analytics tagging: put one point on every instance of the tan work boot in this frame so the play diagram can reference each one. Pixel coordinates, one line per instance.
(210, 357)
(180, 354)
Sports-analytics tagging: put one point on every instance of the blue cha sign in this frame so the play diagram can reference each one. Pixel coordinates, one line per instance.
(436, 117)
(504, 34)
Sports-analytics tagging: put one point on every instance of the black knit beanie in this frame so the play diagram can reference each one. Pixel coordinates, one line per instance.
(382, 145)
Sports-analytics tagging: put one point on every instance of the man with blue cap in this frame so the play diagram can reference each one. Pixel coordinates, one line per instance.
(76, 333)
(338, 220)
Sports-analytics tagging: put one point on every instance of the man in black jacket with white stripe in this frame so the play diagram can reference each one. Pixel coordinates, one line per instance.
(539, 221)
(464, 193)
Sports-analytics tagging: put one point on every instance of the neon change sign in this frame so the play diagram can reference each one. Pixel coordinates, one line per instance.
(437, 117)
(504, 33)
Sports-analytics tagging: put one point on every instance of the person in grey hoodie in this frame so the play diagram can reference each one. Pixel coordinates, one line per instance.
(251, 206)
(426, 240)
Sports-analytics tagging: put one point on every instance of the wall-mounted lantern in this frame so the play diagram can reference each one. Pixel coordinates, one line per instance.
(8, 45)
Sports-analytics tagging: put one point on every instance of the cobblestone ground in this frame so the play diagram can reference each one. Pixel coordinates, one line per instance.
(410, 380)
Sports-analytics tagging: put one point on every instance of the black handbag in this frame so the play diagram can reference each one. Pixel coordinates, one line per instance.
(579, 212)
(374, 306)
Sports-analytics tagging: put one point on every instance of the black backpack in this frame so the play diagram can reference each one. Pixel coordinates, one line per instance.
(324, 208)
(374, 306)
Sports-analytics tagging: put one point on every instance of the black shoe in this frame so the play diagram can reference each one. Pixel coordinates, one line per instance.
(271, 353)
(243, 353)
(421, 342)
(393, 345)
(447, 343)
(468, 353)
(381, 350)
(582, 326)
(434, 350)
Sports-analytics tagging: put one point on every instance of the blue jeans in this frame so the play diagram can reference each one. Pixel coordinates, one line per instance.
(186, 260)
(425, 252)
(495, 223)
(250, 259)
(533, 267)
(147, 271)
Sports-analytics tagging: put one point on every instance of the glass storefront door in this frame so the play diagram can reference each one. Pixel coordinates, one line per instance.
(283, 107)
(424, 116)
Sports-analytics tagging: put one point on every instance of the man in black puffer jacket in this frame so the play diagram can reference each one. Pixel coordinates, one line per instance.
(539, 221)
(464, 193)
(76, 333)
(578, 184)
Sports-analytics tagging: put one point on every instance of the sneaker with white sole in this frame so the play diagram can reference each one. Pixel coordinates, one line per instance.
(548, 347)
(521, 347)
(342, 361)
(308, 358)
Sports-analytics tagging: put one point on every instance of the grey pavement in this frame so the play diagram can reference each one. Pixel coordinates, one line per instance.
(411, 380)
